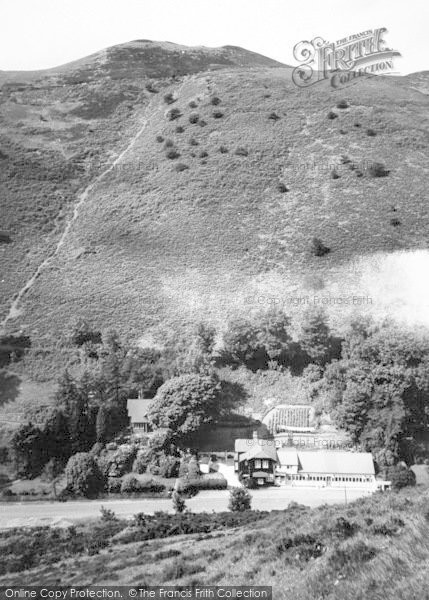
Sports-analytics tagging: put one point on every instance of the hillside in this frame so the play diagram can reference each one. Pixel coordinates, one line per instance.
(123, 212)
(372, 549)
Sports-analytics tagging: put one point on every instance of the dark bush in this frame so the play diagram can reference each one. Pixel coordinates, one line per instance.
(332, 115)
(114, 485)
(203, 154)
(169, 144)
(192, 104)
(241, 151)
(130, 485)
(215, 101)
(159, 139)
(169, 98)
(83, 475)
(202, 123)
(318, 248)
(395, 222)
(357, 125)
(402, 476)
(334, 174)
(304, 547)
(273, 116)
(351, 556)
(282, 188)
(342, 104)
(344, 528)
(223, 150)
(181, 167)
(371, 132)
(5, 238)
(173, 154)
(239, 500)
(193, 142)
(194, 118)
(174, 114)
(378, 170)
(180, 129)
(150, 88)
(217, 114)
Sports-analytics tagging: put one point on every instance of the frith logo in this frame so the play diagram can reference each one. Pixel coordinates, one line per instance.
(360, 54)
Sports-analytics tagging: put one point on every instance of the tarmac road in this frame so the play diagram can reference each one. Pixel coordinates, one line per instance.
(61, 514)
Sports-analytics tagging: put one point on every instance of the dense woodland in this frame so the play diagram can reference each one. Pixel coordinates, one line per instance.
(373, 382)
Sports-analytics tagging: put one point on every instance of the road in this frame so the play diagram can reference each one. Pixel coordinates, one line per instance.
(14, 514)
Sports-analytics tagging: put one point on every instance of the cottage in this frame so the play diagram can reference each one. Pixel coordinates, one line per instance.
(255, 459)
(138, 409)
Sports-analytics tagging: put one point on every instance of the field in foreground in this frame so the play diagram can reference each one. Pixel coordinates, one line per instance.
(376, 547)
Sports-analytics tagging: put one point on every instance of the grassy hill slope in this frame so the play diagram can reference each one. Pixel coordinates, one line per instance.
(211, 211)
(372, 549)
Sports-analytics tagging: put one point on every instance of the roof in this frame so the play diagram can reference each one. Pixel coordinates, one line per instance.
(353, 463)
(297, 417)
(138, 409)
(288, 457)
(260, 450)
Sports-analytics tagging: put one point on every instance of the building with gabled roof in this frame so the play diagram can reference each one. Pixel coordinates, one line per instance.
(138, 409)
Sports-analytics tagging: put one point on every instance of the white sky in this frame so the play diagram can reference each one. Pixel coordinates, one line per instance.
(36, 34)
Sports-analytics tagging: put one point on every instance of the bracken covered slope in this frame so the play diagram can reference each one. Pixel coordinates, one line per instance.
(130, 215)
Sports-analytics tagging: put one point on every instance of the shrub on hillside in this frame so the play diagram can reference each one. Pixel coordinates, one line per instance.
(181, 167)
(342, 104)
(318, 248)
(215, 101)
(282, 188)
(172, 154)
(150, 88)
(334, 174)
(194, 118)
(331, 115)
(192, 104)
(217, 114)
(168, 144)
(303, 547)
(193, 142)
(180, 129)
(202, 123)
(371, 132)
(5, 238)
(159, 139)
(223, 150)
(395, 222)
(273, 116)
(239, 500)
(203, 154)
(378, 170)
(83, 476)
(241, 151)
(169, 98)
(174, 114)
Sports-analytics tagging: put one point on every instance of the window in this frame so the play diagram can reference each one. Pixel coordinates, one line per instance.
(257, 463)
(265, 464)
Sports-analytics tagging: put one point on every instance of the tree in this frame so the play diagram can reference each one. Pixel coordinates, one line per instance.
(67, 392)
(183, 404)
(179, 504)
(194, 468)
(52, 471)
(81, 436)
(242, 345)
(57, 437)
(401, 476)
(239, 499)
(315, 338)
(28, 449)
(104, 425)
(83, 476)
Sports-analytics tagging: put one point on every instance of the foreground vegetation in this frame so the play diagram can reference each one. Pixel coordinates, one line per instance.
(375, 548)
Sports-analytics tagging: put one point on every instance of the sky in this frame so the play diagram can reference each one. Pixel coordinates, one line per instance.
(38, 34)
